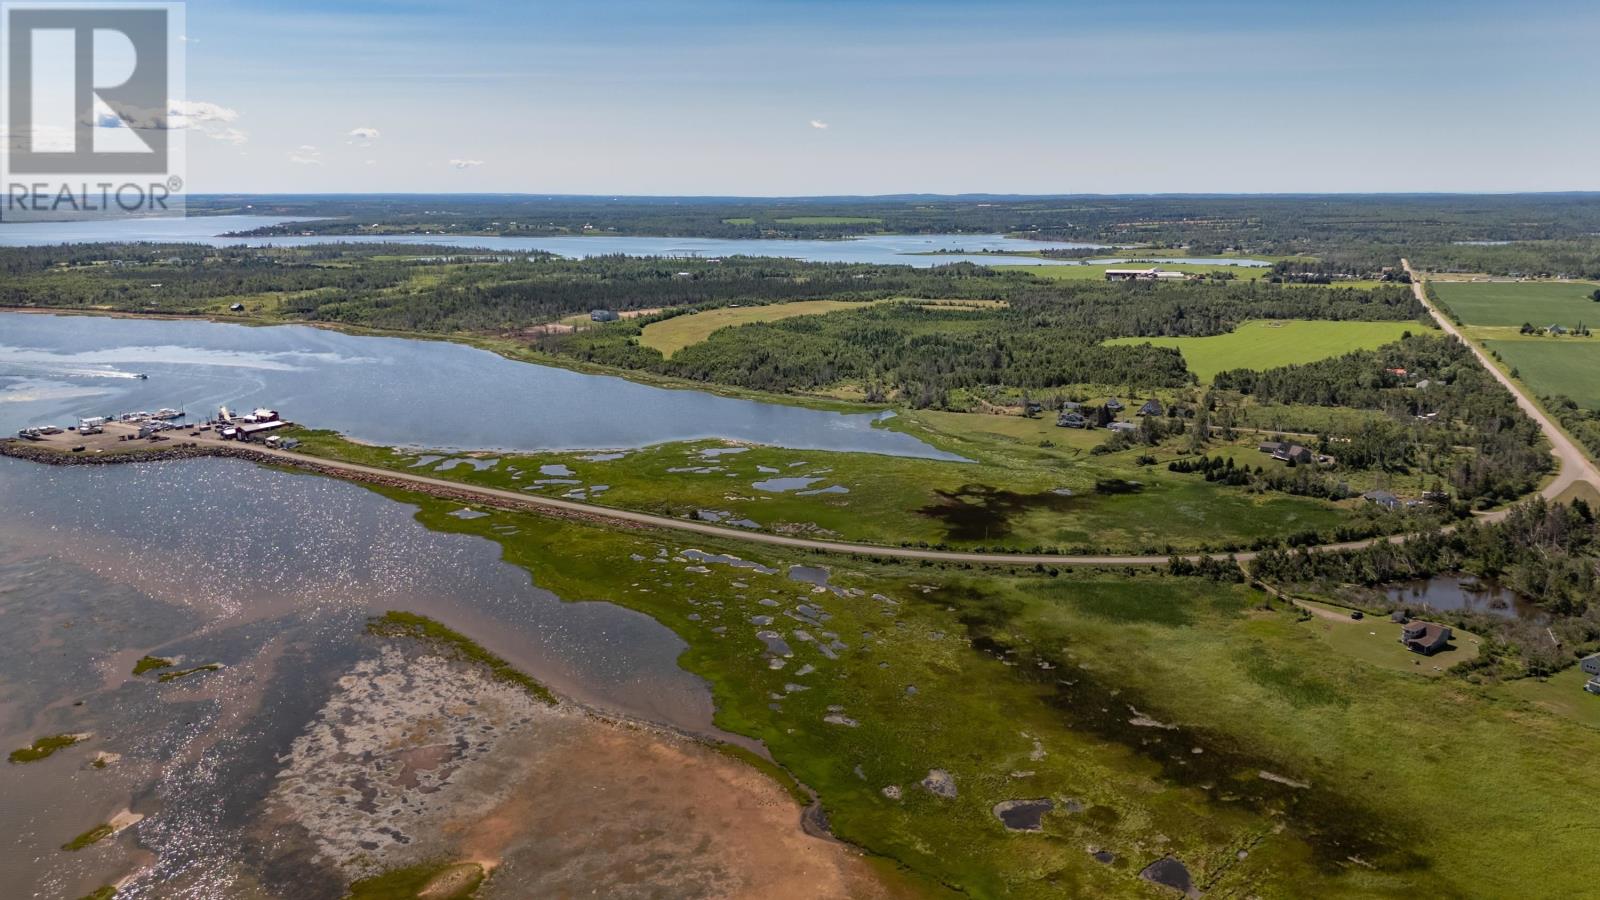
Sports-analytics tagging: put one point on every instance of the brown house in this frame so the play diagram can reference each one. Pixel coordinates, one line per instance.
(1294, 452)
(1422, 637)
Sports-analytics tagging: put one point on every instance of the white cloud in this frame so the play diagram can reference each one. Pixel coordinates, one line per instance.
(820, 125)
(363, 136)
(306, 155)
(210, 119)
(370, 162)
(197, 112)
(465, 163)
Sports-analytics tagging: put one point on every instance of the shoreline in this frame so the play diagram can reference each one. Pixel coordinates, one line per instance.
(604, 516)
(488, 343)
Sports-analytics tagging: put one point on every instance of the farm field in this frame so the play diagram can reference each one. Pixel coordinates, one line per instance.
(671, 335)
(1269, 344)
(1513, 303)
(1553, 366)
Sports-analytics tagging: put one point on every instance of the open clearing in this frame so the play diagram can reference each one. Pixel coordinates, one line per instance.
(1375, 640)
(1551, 366)
(1513, 303)
(1269, 344)
(671, 335)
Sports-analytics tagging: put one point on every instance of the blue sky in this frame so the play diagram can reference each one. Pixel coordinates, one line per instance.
(713, 97)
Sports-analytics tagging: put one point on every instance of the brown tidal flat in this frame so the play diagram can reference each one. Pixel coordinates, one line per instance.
(623, 811)
(416, 759)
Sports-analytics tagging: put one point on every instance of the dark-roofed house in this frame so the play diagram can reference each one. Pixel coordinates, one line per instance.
(1272, 446)
(1151, 407)
(1114, 404)
(1293, 452)
(603, 315)
(1590, 664)
(1070, 405)
(1385, 499)
(1071, 420)
(1426, 638)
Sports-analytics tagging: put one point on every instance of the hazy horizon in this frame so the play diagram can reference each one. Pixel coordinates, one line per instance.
(788, 99)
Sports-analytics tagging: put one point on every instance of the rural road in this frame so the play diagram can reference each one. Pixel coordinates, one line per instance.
(514, 499)
(1575, 465)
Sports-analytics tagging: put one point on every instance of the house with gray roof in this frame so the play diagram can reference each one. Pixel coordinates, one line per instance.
(1385, 499)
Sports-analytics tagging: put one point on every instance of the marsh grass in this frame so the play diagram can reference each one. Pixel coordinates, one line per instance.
(454, 644)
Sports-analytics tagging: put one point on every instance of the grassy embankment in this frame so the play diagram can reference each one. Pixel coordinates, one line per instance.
(1161, 716)
(1016, 494)
(1270, 344)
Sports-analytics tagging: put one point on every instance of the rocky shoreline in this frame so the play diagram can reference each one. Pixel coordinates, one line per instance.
(49, 455)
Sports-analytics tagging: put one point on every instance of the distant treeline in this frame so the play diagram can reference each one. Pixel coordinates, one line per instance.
(1360, 229)
(1571, 258)
(436, 289)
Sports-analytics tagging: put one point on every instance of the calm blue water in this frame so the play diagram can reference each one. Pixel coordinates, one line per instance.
(893, 249)
(393, 391)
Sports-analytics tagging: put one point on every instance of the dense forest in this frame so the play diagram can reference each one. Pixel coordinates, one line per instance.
(1436, 397)
(1361, 229)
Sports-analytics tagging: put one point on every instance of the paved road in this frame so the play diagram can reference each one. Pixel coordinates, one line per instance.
(1575, 465)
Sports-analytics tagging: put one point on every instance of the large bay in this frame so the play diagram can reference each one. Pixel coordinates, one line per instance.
(393, 391)
(886, 249)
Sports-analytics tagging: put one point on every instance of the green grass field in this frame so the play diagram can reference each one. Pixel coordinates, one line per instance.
(1269, 344)
(1562, 694)
(1551, 366)
(671, 335)
(1513, 303)
(1374, 640)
